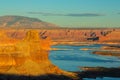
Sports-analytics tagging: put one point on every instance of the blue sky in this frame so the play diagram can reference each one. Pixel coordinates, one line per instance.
(66, 13)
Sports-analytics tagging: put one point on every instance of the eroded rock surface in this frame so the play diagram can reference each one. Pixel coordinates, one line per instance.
(28, 57)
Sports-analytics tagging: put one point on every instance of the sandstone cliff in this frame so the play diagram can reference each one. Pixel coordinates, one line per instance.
(28, 57)
(64, 35)
(112, 37)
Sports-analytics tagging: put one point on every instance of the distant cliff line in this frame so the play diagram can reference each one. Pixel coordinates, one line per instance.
(68, 35)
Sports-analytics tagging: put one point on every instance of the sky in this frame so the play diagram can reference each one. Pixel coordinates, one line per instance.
(66, 13)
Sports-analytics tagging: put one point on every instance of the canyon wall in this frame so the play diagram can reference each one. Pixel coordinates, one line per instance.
(75, 35)
(112, 37)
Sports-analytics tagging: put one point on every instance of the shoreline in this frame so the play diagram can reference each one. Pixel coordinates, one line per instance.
(88, 72)
(82, 43)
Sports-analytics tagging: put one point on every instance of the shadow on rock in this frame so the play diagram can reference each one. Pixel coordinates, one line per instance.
(94, 72)
(42, 77)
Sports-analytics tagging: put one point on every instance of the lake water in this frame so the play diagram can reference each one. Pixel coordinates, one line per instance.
(71, 58)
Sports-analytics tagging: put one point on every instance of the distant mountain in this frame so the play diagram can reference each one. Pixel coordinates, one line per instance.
(23, 22)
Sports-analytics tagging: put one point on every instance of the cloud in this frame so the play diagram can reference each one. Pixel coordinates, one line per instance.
(46, 14)
(85, 14)
(70, 14)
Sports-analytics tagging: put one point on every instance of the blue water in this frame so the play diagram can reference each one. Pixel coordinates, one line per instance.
(73, 58)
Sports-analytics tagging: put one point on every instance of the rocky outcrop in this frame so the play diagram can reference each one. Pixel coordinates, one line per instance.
(28, 57)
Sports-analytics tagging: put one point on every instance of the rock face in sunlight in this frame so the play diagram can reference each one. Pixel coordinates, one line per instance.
(112, 37)
(28, 57)
(65, 35)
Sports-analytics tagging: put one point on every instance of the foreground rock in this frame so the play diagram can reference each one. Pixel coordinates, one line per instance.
(28, 57)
